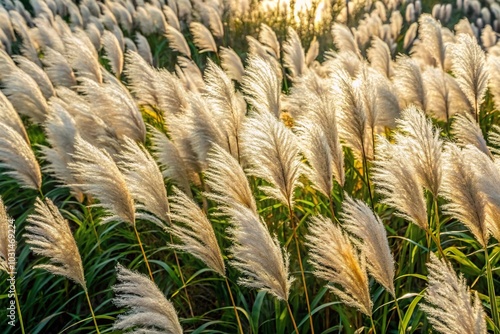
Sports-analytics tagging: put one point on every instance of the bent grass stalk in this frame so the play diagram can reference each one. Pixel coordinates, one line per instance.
(92, 311)
(143, 253)
(19, 311)
(292, 317)
(181, 275)
(234, 305)
(491, 292)
(299, 258)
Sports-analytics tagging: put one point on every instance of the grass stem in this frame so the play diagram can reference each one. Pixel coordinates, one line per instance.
(491, 293)
(143, 253)
(92, 311)
(182, 279)
(292, 317)
(19, 311)
(299, 258)
(374, 330)
(234, 306)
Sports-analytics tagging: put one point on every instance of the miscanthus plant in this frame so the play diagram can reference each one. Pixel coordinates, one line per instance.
(246, 167)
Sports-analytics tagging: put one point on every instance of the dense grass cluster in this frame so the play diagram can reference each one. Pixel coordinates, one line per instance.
(249, 166)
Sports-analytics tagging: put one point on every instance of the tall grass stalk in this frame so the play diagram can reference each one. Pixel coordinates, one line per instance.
(299, 258)
(234, 305)
(436, 239)
(374, 330)
(491, 292)
(92, 311)
(18, 306)
(181, 275)
(143, 253)
(367, 177)
(292, 317)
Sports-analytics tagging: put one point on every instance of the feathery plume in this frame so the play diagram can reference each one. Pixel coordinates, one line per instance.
(312, 52)
(466, 131)
(409, 82)
(143, 48)
(257, 255)
(493, 64)
(461, 188)
(144, 179)
(380, 57)
(18, 159)
(352, 116)
(228, 108)
(335, 260)
(114, 53)
(203, 129)
(171, 17)
(62, 132)
(268, 38)
(469, 67)
(46, 36)
(58, 69)
(293, 54)
(398, 183)
(27, 46)
(271, 150)
(142, 80)
(82, 56)
(191, 74)
(176, 41)
(344, 39)
(231, 63)
(410, 35)
(371, 239)
(149, 310)
(25, 95)
(10, 117)
(173, 165)
(319, 105)
(430, 34)
(49, 235)
(387, 103)
(449, 308)
(38, 75)
(114, 104)
(443, 94)
(101, 178)
(463, 27)
(91, 126)
(173, 96)
(227, 180)
(195, 232)
(202, 38)
(258, 49)
(215, 22)
(262, 86)
(488, 175)
(423, 147)
(314, 145)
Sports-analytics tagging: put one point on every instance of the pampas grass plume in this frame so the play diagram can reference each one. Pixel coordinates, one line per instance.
(257, 255)
(335, 260)
(195, 232)
(371, 239)
(149, 310)
(449, 307)
(49, 235)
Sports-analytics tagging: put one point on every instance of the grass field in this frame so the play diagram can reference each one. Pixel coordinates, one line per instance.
(172, 166)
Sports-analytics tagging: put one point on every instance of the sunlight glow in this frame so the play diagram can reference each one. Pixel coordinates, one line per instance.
(301, 7)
